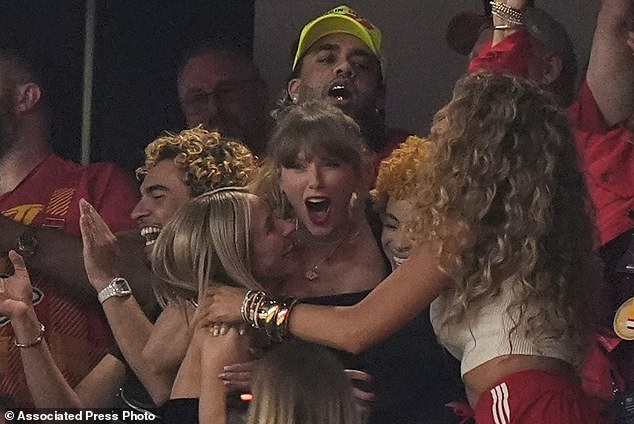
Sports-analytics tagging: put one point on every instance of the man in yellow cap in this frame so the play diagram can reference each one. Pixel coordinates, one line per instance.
(338, 59)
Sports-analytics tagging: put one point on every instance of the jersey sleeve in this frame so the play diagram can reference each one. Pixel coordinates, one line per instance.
(113, 194)
(510, 56)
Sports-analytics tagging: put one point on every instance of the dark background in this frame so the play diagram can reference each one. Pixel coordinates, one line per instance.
(137, 46)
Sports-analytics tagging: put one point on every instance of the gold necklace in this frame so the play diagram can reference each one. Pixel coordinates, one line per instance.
(313, 273)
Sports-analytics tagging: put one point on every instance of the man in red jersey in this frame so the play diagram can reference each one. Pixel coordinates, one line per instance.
(39, 196)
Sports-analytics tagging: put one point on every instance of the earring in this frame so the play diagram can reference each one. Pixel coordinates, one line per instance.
(353, 205)
(294, 100)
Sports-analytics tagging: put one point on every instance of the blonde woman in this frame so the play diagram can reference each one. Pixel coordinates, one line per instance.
(225, 235)
(178, 167)
(301, 383)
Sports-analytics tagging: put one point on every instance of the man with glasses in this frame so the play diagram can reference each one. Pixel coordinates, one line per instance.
(221, 89)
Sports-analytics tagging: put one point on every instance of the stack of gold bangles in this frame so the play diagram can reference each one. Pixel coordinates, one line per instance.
(272, 315)
(507, 13)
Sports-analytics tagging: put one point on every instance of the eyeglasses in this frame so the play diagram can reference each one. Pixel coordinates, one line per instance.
(226, 92)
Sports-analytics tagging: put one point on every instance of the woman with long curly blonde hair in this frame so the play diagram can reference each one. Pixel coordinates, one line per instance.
(503, 253)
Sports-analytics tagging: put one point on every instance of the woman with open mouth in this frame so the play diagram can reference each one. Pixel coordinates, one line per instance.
(502, 257)
(319, 173)
(321, 169)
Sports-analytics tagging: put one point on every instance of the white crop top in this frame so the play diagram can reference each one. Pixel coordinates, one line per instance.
(486, 336)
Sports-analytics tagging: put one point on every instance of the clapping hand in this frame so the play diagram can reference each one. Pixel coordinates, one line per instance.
(101, 250)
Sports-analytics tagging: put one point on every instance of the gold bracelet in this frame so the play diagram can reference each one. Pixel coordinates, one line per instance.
(36, 342)
(504, 27)
(244, 309)
(507, 13)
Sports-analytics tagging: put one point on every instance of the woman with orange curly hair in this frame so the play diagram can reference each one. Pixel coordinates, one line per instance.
(502, 253)
(392, 198)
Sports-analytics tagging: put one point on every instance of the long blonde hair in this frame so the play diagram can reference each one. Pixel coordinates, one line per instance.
(301, 383)
(501, 168)
(207, 241)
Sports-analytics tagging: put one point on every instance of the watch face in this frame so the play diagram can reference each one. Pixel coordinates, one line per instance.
(121, 286)
(27, 243)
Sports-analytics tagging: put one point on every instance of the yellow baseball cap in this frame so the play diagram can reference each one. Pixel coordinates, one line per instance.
(340, 19)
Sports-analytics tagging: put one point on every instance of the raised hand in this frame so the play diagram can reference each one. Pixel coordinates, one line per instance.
(16, 290)
(101, 251)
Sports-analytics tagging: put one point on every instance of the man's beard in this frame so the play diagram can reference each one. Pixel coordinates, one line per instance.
(371, 120)
(372, 124)
(8, 126)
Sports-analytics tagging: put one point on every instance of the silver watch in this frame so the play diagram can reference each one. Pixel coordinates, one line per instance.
(118, 287)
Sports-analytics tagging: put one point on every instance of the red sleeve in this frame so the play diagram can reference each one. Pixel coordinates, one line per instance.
(584, 113)
(603, 150)
(113, 194)
(510, 56)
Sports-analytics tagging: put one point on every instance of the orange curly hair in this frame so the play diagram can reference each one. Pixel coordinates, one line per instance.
(400, 171)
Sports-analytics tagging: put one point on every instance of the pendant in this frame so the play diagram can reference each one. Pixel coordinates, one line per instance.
(312, 274)
(624, 320)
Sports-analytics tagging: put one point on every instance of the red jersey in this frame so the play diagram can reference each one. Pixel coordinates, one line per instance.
(607, 155)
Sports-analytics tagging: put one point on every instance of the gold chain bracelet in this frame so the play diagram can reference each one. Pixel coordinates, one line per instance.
(35, 342)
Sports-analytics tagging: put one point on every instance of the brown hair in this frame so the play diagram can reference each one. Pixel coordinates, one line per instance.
(208, 159)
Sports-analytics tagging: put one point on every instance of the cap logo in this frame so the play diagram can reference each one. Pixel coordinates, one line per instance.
(362, 21)
(351, 14)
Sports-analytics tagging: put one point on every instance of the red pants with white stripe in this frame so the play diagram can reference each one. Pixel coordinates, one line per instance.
(536, 397)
